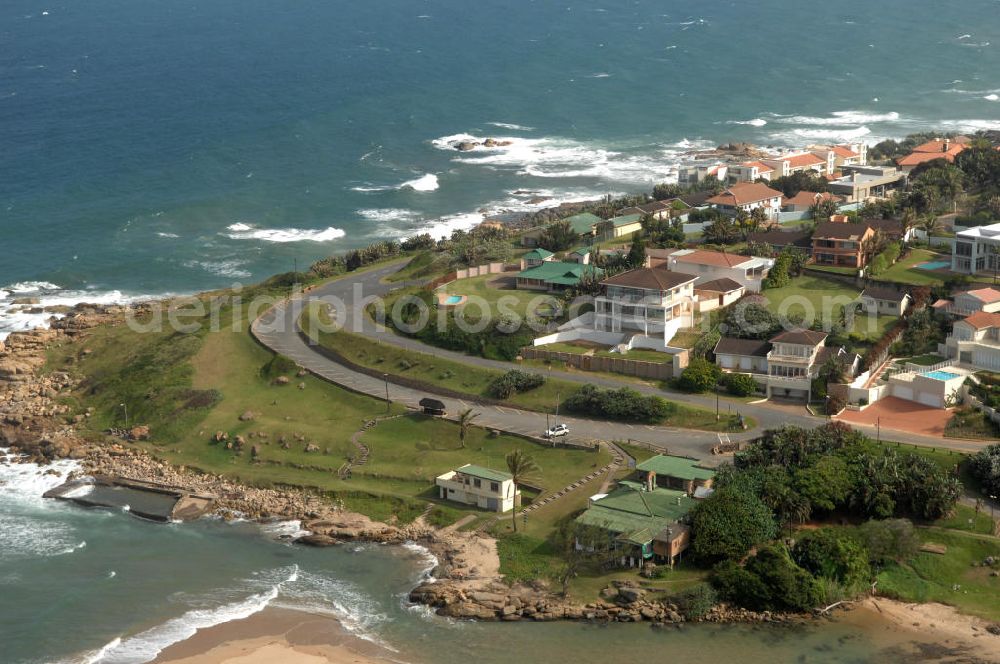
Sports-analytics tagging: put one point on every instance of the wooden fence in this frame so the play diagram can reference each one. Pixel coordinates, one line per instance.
(654, 370)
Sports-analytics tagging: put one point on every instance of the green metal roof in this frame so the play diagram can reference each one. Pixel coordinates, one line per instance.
(626, 220)
(628, 511)
(580, 251)
(485, 473)
(679, 467)
(583, 223)
(559, 272)
(538, 253)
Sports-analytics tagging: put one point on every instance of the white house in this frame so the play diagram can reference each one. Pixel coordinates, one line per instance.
(975, 341)
(748, 271)
(750, 171)
(485, 488)
(747, 196)
(969, 302)
(976, 250)
(784, 366)
(716, 294)
(695, 173)
(798, 163)
(647, 300)
(883, 301)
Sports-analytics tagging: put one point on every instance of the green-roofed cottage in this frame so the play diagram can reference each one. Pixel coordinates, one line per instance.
(646, 518)
(619, 226)
(579, 255)
(584, 223)
(536, 257)
(554, 275)
(672, 472)
(485, 488)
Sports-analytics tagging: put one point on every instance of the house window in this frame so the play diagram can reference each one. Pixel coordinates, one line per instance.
(477, 483)
(495, 487)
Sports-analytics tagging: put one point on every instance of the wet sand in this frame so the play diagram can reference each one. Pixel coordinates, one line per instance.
(275, 636)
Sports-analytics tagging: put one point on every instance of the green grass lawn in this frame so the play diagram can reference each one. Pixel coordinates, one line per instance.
(812, 296)
(904, 271)
(949, 578)
(574, 347)
(926, 360)
(496, 288)
(833, 269)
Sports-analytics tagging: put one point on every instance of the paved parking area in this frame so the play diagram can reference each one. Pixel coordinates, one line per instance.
(900, 415)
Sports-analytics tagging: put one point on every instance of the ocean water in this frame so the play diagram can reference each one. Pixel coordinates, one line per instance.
(89, 586)
(167, 146)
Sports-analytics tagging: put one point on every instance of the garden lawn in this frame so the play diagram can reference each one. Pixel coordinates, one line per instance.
(419, 448)
(949, 578)
(812, 296)
(496, 287)
(926, 360)
(904, 271)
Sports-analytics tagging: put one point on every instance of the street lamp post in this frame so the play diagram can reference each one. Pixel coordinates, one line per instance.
(716, 402)
(126, 413)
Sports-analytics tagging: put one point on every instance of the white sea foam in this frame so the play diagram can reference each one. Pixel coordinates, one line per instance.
(244, 231)
(231, 267)
(98, 655)
(427, 559)
(71, 549)
(146, 645)
(30, 287)
(600, 75)
(168, 235)
(992, 97)
(848, 134)
(424, 183)
(388, 214)
(756, 122)
(511, 126)
(969, 126)
(566, 158)
(841, 118)
(291, 529)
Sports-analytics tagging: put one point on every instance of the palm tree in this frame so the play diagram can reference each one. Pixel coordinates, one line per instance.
(465, 419)
(521, 467)
(908, 220)
(930, 224)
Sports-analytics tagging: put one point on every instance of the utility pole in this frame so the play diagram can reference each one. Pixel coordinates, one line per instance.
(878, 429)
(126, 414)
(557, 407)
(716, 402)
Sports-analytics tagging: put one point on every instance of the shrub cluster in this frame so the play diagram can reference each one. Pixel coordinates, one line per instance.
(514, 381)
(624, 404)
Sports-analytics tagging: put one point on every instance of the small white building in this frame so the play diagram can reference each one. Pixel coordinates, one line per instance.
(748, 271)
(975, 341)
(976, 250)
(936, 388)
(883, 301)
(485, 488)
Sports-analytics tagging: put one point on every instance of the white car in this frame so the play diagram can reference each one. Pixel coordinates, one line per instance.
(556, 431)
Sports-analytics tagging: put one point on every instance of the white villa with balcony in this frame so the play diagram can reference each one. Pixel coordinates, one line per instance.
(976, 250)
(975, 341)
(651, 301)
(748, 271)
(487, 489)
(784, 366)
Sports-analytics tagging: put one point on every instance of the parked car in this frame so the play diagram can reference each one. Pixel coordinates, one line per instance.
(556, 431)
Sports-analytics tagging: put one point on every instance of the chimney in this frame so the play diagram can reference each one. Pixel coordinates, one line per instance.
(946, 144)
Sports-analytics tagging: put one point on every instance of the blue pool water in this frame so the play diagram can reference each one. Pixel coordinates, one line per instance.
(941, 375)
(934, 265)
(453, 299)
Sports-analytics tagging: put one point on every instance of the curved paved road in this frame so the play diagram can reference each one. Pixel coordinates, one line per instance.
(277, 329)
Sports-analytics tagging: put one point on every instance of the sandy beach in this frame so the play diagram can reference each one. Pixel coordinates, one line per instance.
(276, 636)
(939, 625)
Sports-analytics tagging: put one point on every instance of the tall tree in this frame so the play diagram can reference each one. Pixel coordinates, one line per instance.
(637, 253)
(522, 468)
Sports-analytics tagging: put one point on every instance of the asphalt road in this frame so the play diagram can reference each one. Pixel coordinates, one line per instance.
(277, 329)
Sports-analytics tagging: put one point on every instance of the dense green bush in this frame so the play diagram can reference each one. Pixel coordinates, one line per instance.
(888, 540)
(770, 581)
(833, 555)
(696, 601)
(623, 404)
(279, 365)
(514, 381)
(985, 467)
(727, 524)
(700, 375)
(740, 384)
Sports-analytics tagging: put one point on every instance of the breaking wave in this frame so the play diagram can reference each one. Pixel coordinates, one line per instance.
(243, 231)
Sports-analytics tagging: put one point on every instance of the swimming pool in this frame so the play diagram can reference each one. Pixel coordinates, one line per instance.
(453, 299)
(934, 265)
(941, 375)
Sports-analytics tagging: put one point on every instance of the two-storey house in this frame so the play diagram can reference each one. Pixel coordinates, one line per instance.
(841, 244)
(650, 301)
(975, 341)
(966, 303)
(487, 489)
(748, 271)
(747, 197)
(976, 250)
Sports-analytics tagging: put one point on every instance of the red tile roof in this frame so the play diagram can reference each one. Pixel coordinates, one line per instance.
(744, 193)
(943, 148)
(804, 160)
(762, 167)
(985, 295)
(649, 278)
(717, 258)
(981, 320)
(808, 198)
(804, 337)
(844, 151)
